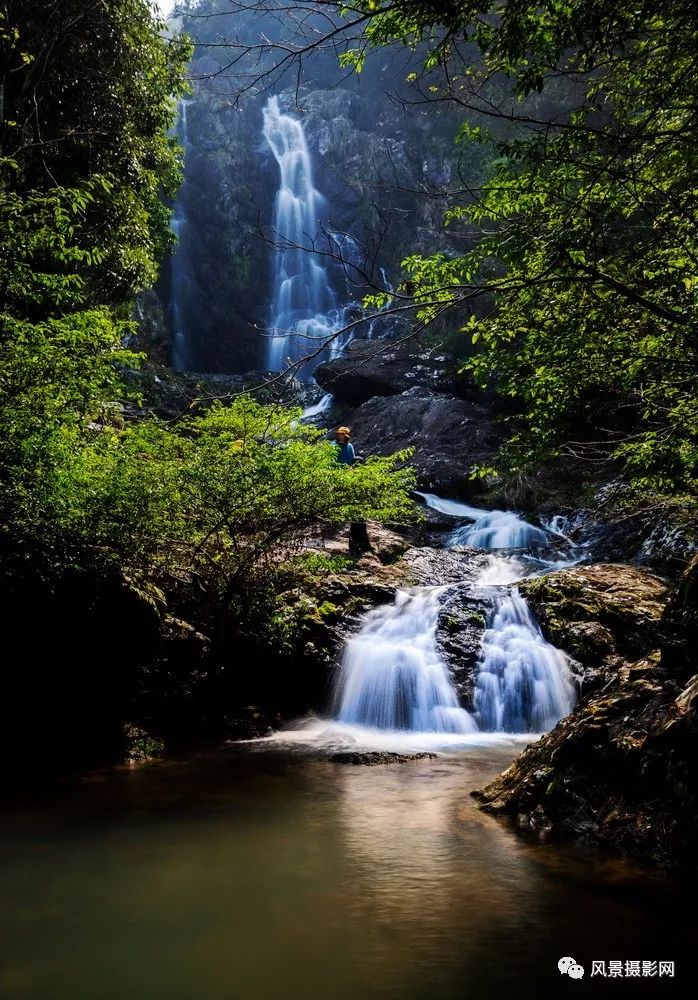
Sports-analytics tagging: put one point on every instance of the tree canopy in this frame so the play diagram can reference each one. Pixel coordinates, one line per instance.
(579, 295)
(588, 219)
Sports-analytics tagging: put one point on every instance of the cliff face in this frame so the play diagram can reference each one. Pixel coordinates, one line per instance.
(224, 203)
(380, 165)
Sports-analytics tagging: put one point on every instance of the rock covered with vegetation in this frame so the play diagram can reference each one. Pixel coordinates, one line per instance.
(621, 769)
(604, 616)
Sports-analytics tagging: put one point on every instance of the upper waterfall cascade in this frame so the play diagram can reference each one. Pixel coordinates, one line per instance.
(305, 312)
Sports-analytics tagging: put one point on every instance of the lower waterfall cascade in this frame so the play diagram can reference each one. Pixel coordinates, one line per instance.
(392, 675)
(393, 678)
(524, 684)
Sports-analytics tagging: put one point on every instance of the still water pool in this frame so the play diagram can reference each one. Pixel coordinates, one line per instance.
(257, 873)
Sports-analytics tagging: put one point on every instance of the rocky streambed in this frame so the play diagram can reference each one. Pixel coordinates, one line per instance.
(619, 770)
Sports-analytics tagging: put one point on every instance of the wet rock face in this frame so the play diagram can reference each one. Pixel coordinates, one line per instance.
(603, 615)
(431, 567)
(459, 633)
(361, 149)
(151, 335)
(374, 758)
(622, 770)
(368, 369)
(666, 539)
(463, 614)
(448, 435)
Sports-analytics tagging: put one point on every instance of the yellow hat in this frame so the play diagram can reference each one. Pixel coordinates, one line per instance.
(344, 430)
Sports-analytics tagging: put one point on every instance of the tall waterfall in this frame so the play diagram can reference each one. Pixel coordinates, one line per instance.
(304, 309)
(392, 676)
(180, 271)
(523, 685)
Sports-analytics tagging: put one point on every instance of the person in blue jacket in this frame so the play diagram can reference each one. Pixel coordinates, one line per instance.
(358, 535)
(346, 454)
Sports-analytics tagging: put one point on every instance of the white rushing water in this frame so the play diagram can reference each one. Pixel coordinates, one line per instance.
(322, 406)
(392, 675)
(523, 684)
(304, 311)
(393, 679)
(491, 529)
(499, 529)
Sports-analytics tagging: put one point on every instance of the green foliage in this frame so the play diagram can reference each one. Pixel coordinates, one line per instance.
(317, 564)
(214, 503)
(588, 217)
(224, 490)
(89, 94)
(57, 350)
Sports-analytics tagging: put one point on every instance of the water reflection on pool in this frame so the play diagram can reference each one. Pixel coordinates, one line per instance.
(254, 873)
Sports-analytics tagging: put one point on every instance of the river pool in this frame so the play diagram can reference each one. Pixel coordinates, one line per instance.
(256, 872)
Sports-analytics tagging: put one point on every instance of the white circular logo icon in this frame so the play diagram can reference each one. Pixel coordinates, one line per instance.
(570, 967)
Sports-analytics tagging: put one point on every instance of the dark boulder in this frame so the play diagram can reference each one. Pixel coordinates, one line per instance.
(459, 631)
(448, 435)
(375, 368)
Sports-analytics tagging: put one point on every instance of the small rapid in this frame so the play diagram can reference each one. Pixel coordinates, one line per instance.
(490, 529)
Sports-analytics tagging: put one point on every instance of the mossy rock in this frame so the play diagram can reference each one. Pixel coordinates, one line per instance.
(600, 612)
